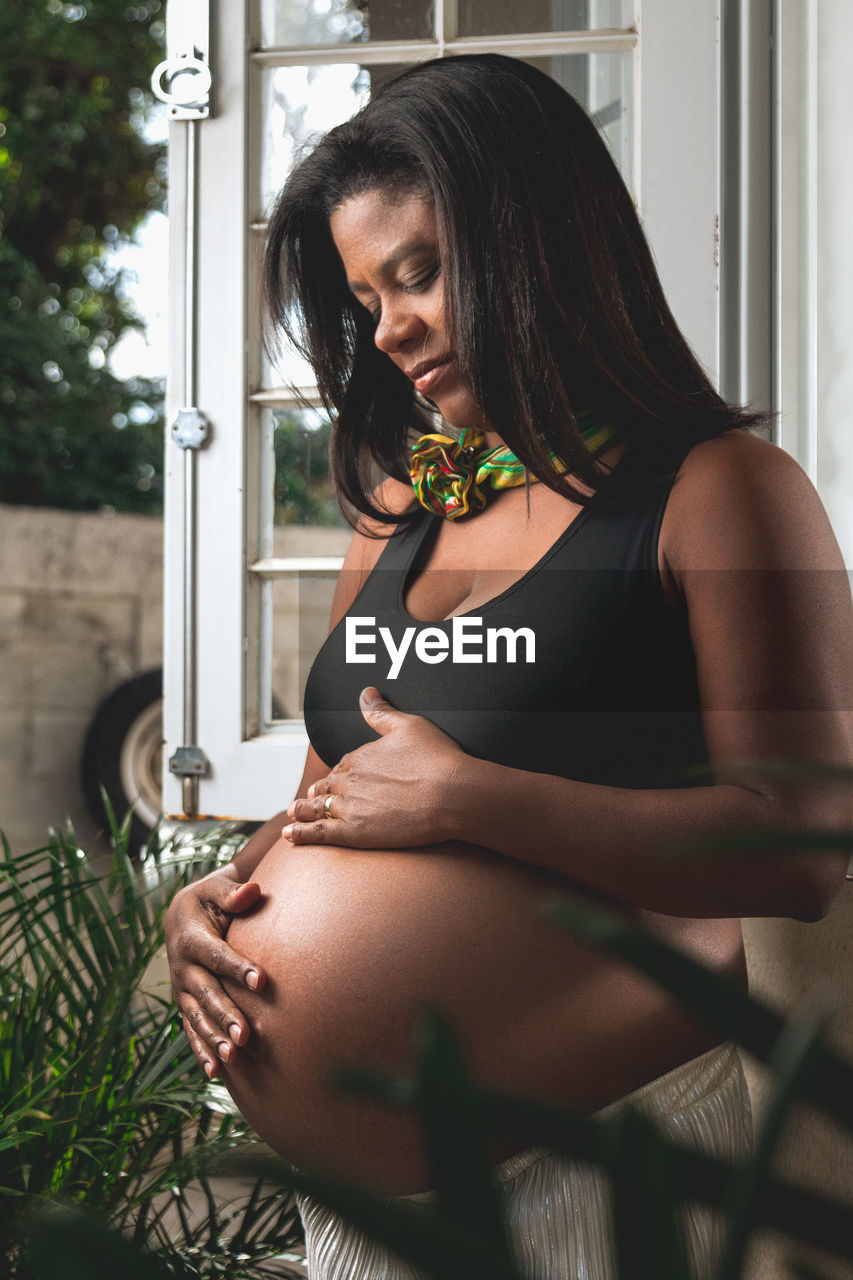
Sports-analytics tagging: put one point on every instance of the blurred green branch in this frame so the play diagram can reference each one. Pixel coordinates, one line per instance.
(77, 178)
(102, 1105)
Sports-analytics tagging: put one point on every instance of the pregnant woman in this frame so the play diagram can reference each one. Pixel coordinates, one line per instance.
(584, 577)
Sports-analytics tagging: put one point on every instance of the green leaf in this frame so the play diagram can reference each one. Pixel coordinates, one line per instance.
(73, 1245)
(101, 1100)
(646, 1201)
(793, 769)
(443, 1247)
(455, 1133)
(769, 842)
(801, 1213)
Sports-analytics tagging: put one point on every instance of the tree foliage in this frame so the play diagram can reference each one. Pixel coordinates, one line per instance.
(303, 486)
(102, 1105)
(77, 177)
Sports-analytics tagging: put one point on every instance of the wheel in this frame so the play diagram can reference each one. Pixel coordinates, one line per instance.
(123, 754)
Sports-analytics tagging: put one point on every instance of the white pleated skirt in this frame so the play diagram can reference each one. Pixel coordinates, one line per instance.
(557, 1209)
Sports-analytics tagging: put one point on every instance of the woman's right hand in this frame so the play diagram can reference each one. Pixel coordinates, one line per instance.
(196, 924)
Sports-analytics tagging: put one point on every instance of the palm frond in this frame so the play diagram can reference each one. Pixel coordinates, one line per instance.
(102, 1104)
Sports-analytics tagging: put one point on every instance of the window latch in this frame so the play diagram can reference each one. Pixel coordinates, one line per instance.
(182, 80)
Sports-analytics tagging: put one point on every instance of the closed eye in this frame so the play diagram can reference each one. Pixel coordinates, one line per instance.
(421, 281)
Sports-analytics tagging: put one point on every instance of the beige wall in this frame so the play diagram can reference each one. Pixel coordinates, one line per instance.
(80, 612)
(790, 962)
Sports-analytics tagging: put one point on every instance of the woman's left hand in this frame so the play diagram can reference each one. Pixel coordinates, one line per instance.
(393, 793)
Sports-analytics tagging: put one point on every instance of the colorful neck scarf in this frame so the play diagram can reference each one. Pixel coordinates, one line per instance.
(449, 476)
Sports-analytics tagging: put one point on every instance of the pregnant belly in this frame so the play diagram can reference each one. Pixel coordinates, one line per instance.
(357, 943)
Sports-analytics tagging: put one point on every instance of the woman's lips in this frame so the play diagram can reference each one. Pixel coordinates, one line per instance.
(427, 381)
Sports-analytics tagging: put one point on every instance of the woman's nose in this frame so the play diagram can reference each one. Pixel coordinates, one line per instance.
(398, 325)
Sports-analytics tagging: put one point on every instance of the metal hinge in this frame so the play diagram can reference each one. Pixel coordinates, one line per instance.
(190, 429)
(189, 762)
(182, 80)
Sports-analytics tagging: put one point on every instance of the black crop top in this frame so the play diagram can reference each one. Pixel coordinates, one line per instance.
(580, 668)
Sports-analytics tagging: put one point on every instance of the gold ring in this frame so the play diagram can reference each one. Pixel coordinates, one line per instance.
(327, 805)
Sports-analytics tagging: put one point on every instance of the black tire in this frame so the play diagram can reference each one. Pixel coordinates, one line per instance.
(122, 754)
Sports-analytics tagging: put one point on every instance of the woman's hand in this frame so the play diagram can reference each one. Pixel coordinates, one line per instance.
(196, 924)
(393, 793)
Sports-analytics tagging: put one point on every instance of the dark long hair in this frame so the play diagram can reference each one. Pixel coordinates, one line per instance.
(555, 305)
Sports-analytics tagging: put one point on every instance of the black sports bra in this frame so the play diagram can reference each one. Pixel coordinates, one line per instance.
(580, 668)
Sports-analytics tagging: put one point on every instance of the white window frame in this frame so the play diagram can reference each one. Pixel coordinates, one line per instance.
(678, 85)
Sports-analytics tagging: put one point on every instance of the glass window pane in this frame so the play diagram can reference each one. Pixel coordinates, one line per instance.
(299, 104)
(307, 596)
(298, 509)
(307, 523)
(603, 84)
(302, 520)
(303, 493)
(318, 22)
(510, 17)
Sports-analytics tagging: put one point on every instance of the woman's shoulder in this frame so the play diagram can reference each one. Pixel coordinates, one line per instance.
(371, 535)
(368, 542)
(740, 502)
(392, 496)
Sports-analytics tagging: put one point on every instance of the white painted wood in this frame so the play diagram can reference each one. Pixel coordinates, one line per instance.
(247, 777)
(814, 249)
(528, 45)
(173, 524)
(795, 241)
(285, 398)
(290, 566)
(832, 264)
(678, 159)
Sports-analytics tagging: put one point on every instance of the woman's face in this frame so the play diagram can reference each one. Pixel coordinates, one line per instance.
(389, 246)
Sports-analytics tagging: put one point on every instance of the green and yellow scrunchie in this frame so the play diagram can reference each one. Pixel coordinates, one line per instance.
(450, 477)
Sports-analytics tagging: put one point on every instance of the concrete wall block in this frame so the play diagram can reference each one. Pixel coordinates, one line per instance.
(76, 617)
(16, 748)
(94, 550)
(16, 677)
(128, 548)
(80, 612)
(82, 646)
(12, 606)
(150, 634)
(35, 550)
(78, 677)
(41, 803)
(57, 744)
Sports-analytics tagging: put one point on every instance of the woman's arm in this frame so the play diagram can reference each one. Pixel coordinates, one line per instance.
(748, 546)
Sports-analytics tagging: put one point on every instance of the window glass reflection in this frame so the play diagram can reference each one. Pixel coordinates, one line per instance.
(510, 17)
(319, 22)
(300, 104)
(303, 491)
(603, 84)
